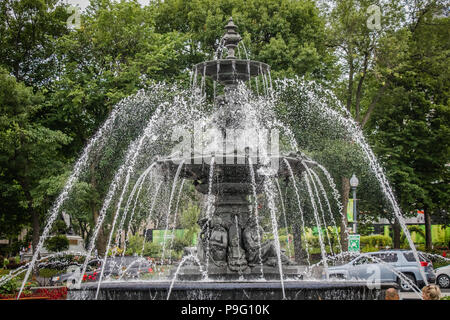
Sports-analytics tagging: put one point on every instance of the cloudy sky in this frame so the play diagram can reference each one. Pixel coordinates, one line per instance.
(84, 3)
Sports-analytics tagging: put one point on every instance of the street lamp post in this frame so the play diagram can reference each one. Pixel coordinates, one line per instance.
(354, 184)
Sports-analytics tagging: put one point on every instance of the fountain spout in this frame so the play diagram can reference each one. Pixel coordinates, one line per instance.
(231, 38)
(231, 70)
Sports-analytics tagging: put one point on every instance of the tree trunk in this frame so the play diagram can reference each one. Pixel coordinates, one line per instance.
(299, 253)
(359, 88)
(36, 229)
(34, 213)
(396, 234)
(345, 190)
(428, 238)
(101, 239)
(350, 81)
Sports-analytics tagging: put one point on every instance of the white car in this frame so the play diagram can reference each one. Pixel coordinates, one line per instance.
(443, 276)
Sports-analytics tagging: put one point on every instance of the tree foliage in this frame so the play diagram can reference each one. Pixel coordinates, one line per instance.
(57, 86)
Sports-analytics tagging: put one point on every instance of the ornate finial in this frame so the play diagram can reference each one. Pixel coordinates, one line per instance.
(231, 38)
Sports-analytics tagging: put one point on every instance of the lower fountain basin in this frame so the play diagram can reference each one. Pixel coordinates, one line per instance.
(235, 290)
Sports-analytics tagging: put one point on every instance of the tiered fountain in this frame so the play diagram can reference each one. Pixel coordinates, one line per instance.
(232, 259)
(234, 161)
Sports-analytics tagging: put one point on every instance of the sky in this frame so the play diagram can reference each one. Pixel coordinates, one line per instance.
(84, 3)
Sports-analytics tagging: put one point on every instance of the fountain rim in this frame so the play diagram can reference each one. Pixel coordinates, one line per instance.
(207, 157)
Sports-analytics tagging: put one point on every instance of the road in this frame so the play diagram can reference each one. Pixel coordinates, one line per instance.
(414, 296)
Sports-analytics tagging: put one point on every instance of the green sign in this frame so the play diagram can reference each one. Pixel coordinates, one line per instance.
(350, 210)
(353, 242)
(161, 236)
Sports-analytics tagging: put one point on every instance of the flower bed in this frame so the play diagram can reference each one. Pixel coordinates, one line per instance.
(57, 293)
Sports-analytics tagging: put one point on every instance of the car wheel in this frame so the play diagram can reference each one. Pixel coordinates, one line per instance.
(405, 286)
(443, 281)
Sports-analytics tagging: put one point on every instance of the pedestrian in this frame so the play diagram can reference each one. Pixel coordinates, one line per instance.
(392, 294)
(431, 292)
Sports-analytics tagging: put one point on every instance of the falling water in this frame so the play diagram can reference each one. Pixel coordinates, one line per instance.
(155, 195)
(174, 184)
(79, 165)
(209, 201)
(284, 213)
(269, 190)
(255, 205)
(336, 194)
(174, 223)
(316, 192)
(183, 261)
(299, 208)
(137, 187)
(324, 194)
(316, 217)
(131, 157)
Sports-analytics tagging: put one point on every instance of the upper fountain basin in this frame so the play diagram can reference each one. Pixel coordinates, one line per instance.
(231, 71)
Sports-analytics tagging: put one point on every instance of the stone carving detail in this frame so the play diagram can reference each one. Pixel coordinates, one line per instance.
(236, 253)
(267, 255)
(236, 247)
(218, 243)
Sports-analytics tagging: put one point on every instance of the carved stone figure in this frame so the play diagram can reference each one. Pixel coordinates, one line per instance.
(267, 254)
(213, 236)
(218, 243)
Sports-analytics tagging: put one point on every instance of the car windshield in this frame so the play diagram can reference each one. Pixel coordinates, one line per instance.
(362, 260)
(409, 256)
(387, 257)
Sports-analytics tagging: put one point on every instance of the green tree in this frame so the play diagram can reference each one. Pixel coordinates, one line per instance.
(28, 29)
(29, 152)
(288, 35)
(115, 53)
(410, 128)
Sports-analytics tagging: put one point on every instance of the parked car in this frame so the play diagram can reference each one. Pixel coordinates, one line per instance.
(443, 276)
(72, 273)
(127, 267)
(368, 267)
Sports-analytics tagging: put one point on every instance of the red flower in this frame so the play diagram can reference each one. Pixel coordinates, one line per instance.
(150, 270)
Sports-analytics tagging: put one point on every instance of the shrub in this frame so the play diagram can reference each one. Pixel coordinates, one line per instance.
(48, 273)
(152, 249)
(134, 245)
(13, 263)
(116, 250)
(313, 241)
(57, 243)
(376, 241)
(179, 244)
(9, 287)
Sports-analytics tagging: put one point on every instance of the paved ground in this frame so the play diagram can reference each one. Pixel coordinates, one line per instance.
(412, 295)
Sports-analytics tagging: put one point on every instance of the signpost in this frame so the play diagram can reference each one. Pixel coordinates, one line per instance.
(354, 243)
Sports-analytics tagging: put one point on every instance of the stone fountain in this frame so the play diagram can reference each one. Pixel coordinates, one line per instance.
(230, 237)
(232, 259)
